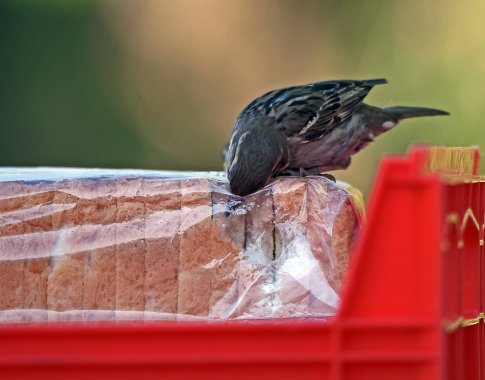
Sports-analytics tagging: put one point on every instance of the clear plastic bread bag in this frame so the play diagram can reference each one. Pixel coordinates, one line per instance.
(115, 245)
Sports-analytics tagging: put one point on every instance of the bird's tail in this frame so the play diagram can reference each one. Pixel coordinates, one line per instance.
(408, 112)
(375, 82)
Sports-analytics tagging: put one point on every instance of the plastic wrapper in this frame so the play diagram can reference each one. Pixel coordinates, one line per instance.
(118, 245)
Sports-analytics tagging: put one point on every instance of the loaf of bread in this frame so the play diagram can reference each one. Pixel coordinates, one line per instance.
(117, 245)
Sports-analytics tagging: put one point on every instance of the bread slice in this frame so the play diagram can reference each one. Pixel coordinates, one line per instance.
(65, 284)
(130, 244)
(329, 213)
(98, 205)
(348, 218)
(256, 269)
(11, 270)
(195, 248)
(162, 199)
(227, 247)
(322, 300)
(294, 261)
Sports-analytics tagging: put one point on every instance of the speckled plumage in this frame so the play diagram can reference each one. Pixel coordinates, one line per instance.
(306, 129)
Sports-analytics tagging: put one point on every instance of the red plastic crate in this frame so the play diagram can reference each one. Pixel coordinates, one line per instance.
(412, 304)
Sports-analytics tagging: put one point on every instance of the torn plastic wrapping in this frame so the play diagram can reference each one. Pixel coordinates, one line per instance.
(99, 245)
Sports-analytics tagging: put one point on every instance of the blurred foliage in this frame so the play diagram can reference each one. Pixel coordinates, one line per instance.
(158, 84)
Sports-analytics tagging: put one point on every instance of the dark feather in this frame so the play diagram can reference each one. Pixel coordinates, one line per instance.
(312, 111)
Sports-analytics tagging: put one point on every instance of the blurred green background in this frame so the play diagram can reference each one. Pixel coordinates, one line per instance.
(157, 84)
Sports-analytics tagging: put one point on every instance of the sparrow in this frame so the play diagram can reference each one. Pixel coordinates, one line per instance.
(307, 130)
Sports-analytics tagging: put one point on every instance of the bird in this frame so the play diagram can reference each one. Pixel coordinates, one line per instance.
(307, 130)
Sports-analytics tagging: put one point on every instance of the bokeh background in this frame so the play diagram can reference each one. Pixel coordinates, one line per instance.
(157, 84)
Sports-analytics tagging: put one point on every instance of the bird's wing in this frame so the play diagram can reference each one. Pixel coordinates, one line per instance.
(255, 155)
(311, 111)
